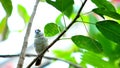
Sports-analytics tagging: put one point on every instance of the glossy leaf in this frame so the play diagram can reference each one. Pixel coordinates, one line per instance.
(102, 11)
(94, 32)
(7, 5)
(110, 29)
(104, 4)
(23, 13)
(59, 22)
(51, 29)
(87, 43)
(65, 6)
(2, 24)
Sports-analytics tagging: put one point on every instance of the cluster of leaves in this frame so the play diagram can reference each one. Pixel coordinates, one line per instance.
(103, 40)
(8, 7)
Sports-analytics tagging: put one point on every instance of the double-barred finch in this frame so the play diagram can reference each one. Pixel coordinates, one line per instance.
(40, 44)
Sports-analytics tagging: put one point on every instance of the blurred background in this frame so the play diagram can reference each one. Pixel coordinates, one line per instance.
(13, 30)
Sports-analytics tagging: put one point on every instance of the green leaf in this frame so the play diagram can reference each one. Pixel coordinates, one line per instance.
(65, 6)
(96, 60)
(108, 45)
(2, 24)
(116, 53)
(23, 13)
(92, 28)
(59, 22)
(64, 54)
(87, 43)
(110, 29)
(7, 5)
(102, 11)
(51, 29)
(84, 18)
(61, 53)
(83, 64)
(95, 33)
(104, 4)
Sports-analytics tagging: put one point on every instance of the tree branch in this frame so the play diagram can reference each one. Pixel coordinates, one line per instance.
(22, 55)
(46, 57)
(16, 55)
(46, 49)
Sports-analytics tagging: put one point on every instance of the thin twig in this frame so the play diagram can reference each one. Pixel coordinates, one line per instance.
(64, 20)
(86, 22)
(16, 55)
(73, 64)
(22, 55)
(46, 57)
(64, 38)
(46, 49)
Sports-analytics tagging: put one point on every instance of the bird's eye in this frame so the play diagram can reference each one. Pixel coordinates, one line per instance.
(37, 31)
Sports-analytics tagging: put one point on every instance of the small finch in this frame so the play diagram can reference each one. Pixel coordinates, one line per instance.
(40, 44)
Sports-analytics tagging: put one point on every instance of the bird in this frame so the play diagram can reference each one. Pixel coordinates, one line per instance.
(40, 43)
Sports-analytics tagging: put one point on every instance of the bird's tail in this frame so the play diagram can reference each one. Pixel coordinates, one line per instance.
(38, 62)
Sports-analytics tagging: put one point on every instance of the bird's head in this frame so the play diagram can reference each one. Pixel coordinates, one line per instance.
(38, 33)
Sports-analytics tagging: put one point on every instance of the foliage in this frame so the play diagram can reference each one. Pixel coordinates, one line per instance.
(2, 24)
(51, 29)
(103, 36)
(109, 29)
(23, 13)
(62, 6)
(83, 41)
(7, 5)
(102, 41)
